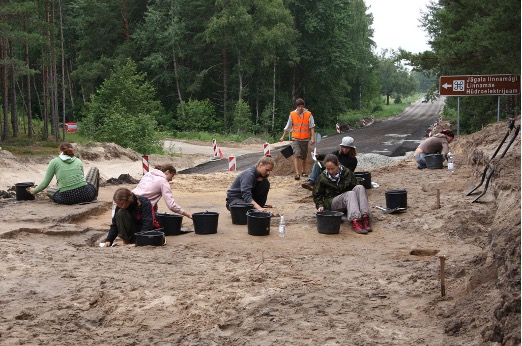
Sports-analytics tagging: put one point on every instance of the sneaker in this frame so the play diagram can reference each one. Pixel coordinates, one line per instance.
(308, 185)
(365, 222)
(357, 227)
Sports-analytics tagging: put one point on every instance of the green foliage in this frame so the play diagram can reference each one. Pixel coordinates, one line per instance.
(471, 37)
(241, 119)
(196, 115)
(123, 111)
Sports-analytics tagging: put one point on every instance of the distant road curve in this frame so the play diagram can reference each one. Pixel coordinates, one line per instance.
(390, 137)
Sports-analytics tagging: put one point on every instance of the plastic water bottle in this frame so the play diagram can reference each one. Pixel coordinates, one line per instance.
(282, 226)
(451, 162)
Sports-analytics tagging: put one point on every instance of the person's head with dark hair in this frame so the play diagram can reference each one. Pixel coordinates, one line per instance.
(449, 135)
(299, 102)
(332, 159)
(168, 169)
(67, 149)
(123, 197)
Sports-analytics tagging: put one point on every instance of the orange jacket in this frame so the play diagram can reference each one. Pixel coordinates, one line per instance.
(300, 127)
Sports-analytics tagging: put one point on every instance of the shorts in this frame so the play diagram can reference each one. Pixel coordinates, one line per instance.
(300, 148)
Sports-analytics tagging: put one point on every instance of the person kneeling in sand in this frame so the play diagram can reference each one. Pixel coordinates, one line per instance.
(251, 186)
(132, 214)
(73, 187)
(155, 184)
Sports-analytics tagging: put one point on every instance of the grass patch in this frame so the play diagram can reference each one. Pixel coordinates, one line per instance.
(30, 147)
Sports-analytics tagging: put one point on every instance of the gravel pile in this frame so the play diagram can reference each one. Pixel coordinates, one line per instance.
(367, 161)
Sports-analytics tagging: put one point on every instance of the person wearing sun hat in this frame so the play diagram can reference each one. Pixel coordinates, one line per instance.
(346, 155)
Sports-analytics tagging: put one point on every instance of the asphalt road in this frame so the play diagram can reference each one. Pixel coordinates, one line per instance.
(390, 137)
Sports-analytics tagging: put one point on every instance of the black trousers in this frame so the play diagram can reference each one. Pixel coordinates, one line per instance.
(259, 193)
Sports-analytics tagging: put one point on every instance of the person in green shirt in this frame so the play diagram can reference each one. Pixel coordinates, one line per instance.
(73, 187)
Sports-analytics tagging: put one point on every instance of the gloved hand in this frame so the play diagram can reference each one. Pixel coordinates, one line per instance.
(31, 190)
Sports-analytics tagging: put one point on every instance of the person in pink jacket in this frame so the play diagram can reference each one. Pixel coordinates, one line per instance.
(155, 184)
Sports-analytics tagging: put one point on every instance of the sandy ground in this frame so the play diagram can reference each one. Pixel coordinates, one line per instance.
(57, 287)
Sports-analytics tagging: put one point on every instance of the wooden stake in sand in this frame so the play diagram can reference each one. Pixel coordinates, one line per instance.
(438, 198)
(442, 278)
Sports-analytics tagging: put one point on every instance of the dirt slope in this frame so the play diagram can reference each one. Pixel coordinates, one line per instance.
(58, 288)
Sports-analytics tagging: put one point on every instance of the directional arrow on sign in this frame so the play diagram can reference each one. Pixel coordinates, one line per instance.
(446, 85)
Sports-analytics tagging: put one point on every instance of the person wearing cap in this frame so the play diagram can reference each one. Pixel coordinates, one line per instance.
(346, 155)
(301, 124)
(438, 144)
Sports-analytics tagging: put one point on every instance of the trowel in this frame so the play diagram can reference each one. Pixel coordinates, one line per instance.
(390, 210)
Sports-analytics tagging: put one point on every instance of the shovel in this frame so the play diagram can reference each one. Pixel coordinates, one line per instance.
(390, 210)
(315, 158)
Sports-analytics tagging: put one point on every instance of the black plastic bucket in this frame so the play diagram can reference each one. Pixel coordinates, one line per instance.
(329, 222)
(367, 176)
(205, 222)
(258, 222)
(287, 151)
(21, 192)
(171, 223)
(434, 161)
(150, 238)
(239, 213)
(396, 199)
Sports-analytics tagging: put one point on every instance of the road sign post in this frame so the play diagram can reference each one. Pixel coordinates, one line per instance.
(479, 85)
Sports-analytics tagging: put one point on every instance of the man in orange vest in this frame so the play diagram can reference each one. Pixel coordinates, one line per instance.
(301, 124)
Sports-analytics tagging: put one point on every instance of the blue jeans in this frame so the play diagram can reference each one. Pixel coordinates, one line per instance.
(420, 160)
(316, 170)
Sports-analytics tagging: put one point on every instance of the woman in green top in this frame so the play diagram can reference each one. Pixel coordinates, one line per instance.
(73, 187)
(337, 189)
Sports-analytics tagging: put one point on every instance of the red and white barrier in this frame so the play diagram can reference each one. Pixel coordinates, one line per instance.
(145, 163)
(215, 148)
(337, 128)
(266, 149)
(232, 163)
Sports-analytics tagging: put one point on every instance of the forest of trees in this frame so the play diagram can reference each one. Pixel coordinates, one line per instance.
(226, 65)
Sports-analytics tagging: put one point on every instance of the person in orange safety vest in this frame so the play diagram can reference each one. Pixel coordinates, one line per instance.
(301, 124)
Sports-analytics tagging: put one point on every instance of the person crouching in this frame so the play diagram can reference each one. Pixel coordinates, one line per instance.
(133, 214)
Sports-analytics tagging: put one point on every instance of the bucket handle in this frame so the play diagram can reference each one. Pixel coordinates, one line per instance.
(257, 211)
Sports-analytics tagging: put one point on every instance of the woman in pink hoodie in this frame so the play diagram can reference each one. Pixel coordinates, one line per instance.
(155, 184)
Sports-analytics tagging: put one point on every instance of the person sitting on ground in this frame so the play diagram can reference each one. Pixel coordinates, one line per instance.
(73, 187)
(155, 184)
(301, 124)
(251, 186)
(346, 155)
(438, 144)
(132, 214)
(337, 190)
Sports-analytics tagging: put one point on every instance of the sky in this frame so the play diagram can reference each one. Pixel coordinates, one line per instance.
(396, 24)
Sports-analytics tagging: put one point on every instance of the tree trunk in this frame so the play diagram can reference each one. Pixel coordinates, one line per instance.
(29, 98)
(54, 65)
(5, 94)
(63, 69)
(70, 91)
(14, 103)
(125, 15)
(225, 84)
(176, 76)
(273, 94)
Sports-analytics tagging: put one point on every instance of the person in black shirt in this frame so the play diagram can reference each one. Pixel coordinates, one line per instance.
(251, 186)
(346, 155)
